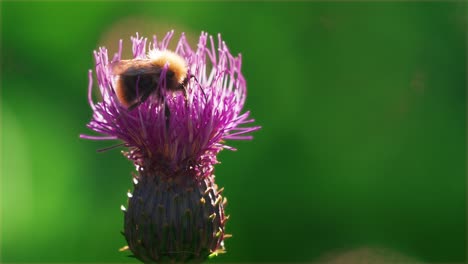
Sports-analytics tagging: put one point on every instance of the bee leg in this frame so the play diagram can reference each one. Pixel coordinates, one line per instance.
(167, 114)
(158, 95)
(184, 92)
(145, 96)
(133, 106)
(142, 99)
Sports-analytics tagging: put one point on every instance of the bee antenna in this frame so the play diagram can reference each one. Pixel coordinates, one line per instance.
(203, 91)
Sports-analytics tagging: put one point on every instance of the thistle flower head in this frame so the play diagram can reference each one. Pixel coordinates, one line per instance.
(181, 134)
(176, 211)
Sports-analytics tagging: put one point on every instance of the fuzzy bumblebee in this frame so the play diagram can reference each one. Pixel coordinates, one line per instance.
(173, 127)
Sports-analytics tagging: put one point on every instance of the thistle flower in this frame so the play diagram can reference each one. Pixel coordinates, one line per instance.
(176, 211)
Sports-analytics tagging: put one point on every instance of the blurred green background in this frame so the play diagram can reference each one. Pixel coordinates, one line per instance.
(363, 141)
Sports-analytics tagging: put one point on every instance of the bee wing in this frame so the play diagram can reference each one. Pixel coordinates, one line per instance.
(134, 67)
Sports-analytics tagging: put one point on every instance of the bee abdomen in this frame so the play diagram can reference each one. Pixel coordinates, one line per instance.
(134, 87)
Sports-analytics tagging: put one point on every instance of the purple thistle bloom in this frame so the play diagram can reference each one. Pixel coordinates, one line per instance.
(176, 211)
(197, 126)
